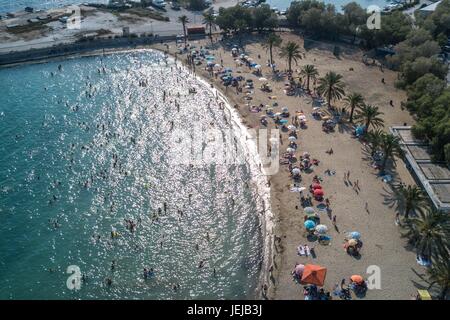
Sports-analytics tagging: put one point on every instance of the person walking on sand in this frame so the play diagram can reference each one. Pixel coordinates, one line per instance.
(334, 220)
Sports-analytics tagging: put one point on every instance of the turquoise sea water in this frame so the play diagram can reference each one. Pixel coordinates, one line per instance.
(87, 147)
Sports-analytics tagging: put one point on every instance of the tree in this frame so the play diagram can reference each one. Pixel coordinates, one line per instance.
(184, 20)
(429, 233)
(196, 5)
(209, 20)
(411, 197)
(310, 72)
(369, 115)
(352, 101)
(331, 86)
(291, 51)
(264, 18)
(390, 145)
(374, 138)
(273, 40)
(354, 16)
(439, 273)
(234, 18)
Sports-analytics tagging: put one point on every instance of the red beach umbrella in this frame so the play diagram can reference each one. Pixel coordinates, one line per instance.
(314, 274)
(316, 186)
(318, 192)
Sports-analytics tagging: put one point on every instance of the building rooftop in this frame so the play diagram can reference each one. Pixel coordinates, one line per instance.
(431, 7)
(433, 177)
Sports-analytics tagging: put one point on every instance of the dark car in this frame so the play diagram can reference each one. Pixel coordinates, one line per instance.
(175, 6)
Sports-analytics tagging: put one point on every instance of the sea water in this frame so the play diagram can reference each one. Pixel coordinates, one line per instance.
(15, 5)
(82, 147)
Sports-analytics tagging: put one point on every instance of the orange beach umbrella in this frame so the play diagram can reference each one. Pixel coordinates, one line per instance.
(314, 274)
(357, 278)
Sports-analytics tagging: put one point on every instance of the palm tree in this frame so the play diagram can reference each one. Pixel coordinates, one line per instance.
(412, 198)
(429, 233)
(291, 51)
(331, 86)
(184, 20)
(209, 20)
(440, 273)
(273, 40)
(310, 72)
(374, 139)
(390, 145)
(369, 115)
(353, 100)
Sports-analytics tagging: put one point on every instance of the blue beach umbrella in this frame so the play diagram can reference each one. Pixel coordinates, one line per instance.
(360, 130)
(355, 235)
(309, 224)
(284, 121)
(210, 58)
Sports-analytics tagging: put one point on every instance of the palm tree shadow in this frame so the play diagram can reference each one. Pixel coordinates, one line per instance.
(278, 77)
(391, 199)
(344, 127)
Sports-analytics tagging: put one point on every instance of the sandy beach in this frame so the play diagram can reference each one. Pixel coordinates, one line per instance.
(369, 211)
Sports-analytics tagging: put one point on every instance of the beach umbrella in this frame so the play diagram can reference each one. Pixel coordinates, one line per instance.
(355, 235)
(217, 65)
(302, 117)
(290, 150)
(285, 109)
(309, 210)
(210, 63)
(297, 189)
(299, 269)
(258, 66)
(309, 224)
(284, 121)
(360, 130)
(305, 154)
(314, 274)
(318, 193)
(352, 242)
(321, 228)
(316, 186)
(296, 171)
(316, 108)
(292, 127)
(210, 58)
(357, 278)
(228, 70)
(262, 79)
(311, 216)
(292, 138)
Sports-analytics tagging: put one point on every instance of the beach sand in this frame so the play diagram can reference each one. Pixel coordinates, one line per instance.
(383, 246)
